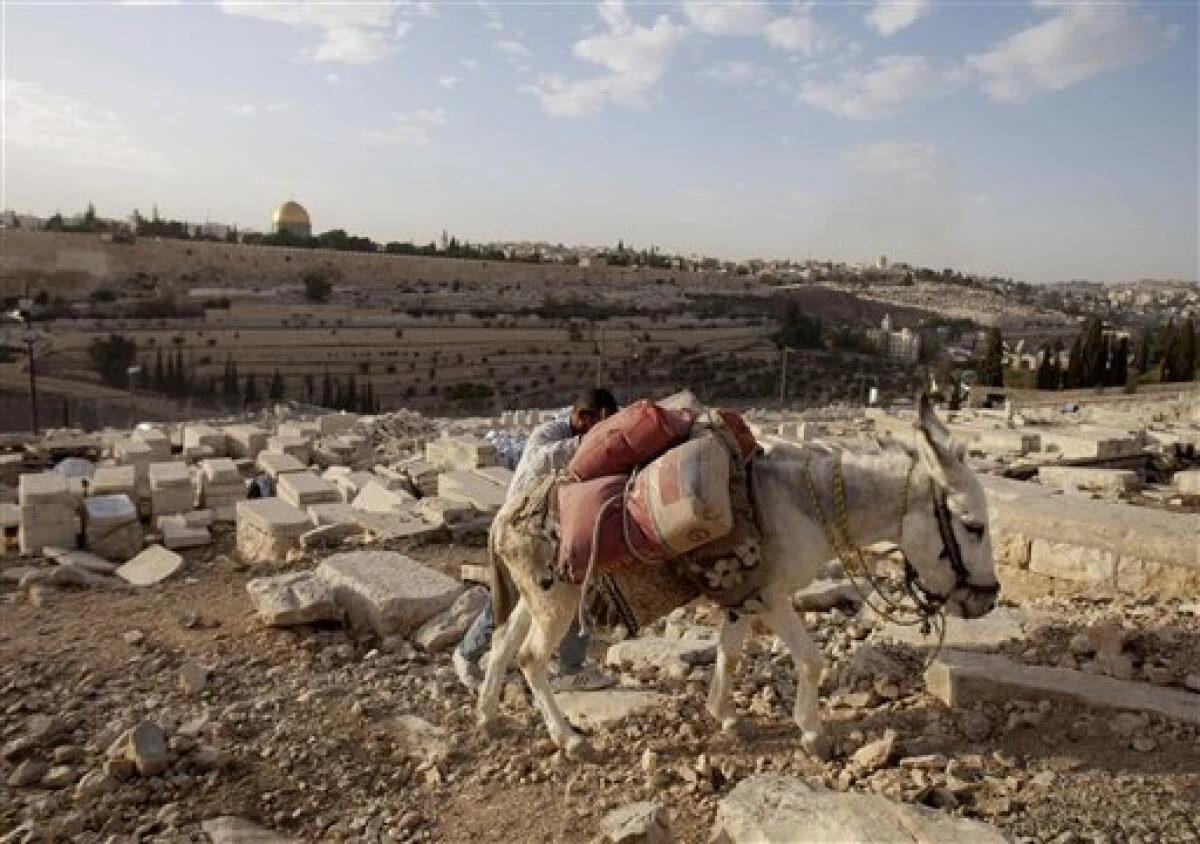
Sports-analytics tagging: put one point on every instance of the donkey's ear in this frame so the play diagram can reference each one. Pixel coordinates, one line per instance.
(940, 453)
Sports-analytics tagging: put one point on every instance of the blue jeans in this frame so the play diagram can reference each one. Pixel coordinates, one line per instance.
(571, 652)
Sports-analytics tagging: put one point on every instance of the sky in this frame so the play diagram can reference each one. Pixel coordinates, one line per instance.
(1042, 140)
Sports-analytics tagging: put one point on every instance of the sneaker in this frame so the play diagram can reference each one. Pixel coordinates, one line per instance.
(468, 673)
(586, 679)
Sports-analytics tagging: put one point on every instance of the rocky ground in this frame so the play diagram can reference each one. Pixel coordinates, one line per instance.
(323, 735)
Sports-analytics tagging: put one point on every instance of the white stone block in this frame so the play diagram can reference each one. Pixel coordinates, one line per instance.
(387, 592)
(297, 447)
(275, 464)
(375, 498)
(297, 597)
(245, 441)
(302, 489)
(153, 565)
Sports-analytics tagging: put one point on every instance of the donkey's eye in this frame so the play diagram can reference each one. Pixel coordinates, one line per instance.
(975, 530)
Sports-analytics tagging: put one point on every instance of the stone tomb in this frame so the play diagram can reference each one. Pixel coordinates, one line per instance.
(303, 489)
(267, 528)
(387, 592)
(48, 514)
(297, 447)
(204, 439)
(171, 489)
(113, 529)
(276, 464)
(160, 443)
(480, 491)
(221, 487)
(115, 480)
(245, 441)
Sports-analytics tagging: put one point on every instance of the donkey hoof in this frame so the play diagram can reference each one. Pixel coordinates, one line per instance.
(818, 746)
(579, 749)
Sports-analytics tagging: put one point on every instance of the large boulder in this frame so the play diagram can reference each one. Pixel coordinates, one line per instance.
(778, 809)
(297, 597)
(387, 592)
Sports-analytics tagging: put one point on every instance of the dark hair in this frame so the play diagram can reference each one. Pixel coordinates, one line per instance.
(598, 401)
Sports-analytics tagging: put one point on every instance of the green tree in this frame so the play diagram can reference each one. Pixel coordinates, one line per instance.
(1074, 377)
(991, 368)
(179, 380)
(1141, 358)
(1047, 371)
(327, 391)
(1169, 356)
(1095, 353)
(310, 387)
(250, 394)
(275, 390)
(1185, 357)
(160, 372)
(317, 285)
(1118, 364)
(112, 357)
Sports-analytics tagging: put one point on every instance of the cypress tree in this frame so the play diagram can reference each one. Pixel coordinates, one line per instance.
(991, 371)
(1185, 367)
(327, 395)
(180, 380)
(250, 396)
(160, 375)
(1118, 365)
(1170, 355)
(1095, 353)
(1074, 377)
(275, 391)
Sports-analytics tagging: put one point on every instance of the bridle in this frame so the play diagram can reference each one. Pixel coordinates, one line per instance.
(927, 608)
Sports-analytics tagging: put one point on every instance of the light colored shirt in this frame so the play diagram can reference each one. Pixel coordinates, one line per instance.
(550, 447)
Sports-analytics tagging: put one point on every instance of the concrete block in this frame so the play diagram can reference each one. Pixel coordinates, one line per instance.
(178, 534)
(297, 447)
(302, 489)
(41, 488)
(219, 471)
(153, 565)
(168, 475)
(961, 679)
(387, 592)
(245, 441)
(276, 464)
(297, 597)
(204, 436)
(114, 480)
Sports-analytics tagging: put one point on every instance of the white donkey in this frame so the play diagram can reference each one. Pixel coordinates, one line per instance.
(809, 499)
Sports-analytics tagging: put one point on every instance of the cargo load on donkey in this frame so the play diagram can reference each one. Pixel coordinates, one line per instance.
(656, 501)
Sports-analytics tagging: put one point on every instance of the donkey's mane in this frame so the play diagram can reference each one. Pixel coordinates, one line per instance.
(868, 445)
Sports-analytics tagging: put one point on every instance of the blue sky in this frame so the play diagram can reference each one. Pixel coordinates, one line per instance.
(1042, 140)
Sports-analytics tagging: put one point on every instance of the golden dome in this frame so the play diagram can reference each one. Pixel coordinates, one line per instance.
(290, 214)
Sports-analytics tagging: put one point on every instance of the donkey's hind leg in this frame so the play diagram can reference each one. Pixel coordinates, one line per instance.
(550, 622)
(505, 641)
(809, 663)
(729, 653)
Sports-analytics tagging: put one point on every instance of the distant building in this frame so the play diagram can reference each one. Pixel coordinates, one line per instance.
(291, 218)
(902, 345)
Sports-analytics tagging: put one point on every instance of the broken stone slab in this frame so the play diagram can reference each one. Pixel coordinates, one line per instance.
(958, 678)
(478, 491)
(1110, 481)
(377, 498)
(599, 708)
(387, 591)
(987, 633)
(384, 526)
(664, 655)
(442, 511)
(297, 597)
(85, 560)
(824, 595)
(646, 822)
(153, 565)
(778, 809)
(329, 536)
(229, 829)
(448, 627)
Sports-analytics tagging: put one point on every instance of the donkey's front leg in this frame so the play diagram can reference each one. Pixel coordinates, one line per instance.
(505, 641)
(550, 623)
(809, 664)
(729, 652)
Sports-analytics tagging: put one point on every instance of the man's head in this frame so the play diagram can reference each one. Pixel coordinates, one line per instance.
(591, 407)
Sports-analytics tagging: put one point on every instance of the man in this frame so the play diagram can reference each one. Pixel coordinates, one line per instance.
(549, 448)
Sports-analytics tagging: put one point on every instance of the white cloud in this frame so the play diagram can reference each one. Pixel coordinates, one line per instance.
(726, 17)
(449, 82)
(798, 32)
(739, 74)
(910, 161)
(888, 87)
(413, 128)
(1079, 41)
(78, 132)
(513, 49)
(251, 109)
(469, 64)
(890, 16)
(357, 33)
(634, 58)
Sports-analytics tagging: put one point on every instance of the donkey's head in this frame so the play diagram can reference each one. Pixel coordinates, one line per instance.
(946, 534)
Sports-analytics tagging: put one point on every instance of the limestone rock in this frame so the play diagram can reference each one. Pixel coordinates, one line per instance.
(448, 627)
(192, 678)
(661, 654)
(233, 830)
(593, 709)
(777, 809)
(638, 823)
(28, 772)
(294, 598)
(874, 755)
(386, 591)
(147, 749)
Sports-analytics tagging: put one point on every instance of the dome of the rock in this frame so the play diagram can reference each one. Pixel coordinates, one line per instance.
(291, 218)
